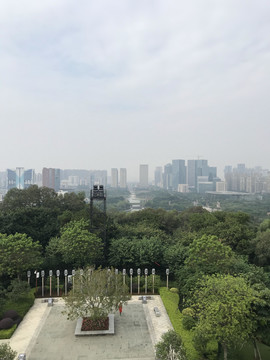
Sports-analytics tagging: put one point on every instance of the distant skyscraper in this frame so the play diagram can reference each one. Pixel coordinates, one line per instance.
(123, 178)
(192, 173)
(241, 168)
(51, 178)
(144, 175)
(167, 177)
(20, 178)
(158, 176)
(114, 178)
(178, 173)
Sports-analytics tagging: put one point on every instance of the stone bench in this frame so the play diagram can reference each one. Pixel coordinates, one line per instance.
(156, 311)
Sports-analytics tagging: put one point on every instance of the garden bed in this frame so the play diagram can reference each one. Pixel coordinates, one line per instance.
(89, 324)
(81, 322)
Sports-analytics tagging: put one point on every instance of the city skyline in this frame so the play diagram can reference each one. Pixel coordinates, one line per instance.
(120, 178)
(97, 86)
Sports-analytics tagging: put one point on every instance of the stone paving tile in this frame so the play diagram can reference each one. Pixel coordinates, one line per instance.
(41, 335)
(132, 340)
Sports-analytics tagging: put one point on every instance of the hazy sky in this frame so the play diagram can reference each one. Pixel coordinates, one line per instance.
(115, 83)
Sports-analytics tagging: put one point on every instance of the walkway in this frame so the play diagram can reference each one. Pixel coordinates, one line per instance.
(45, 334)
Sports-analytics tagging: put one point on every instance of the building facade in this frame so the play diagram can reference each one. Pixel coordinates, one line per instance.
(144, 175)
(51, 178)
(123, 178)
(114, 178)
(20, 178)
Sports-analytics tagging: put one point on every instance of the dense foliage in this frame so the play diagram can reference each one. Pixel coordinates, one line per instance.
(221, 250)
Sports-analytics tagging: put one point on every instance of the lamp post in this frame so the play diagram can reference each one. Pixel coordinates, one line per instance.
(131, 273)
(146, 273)
(42, 282)
(28, 276)
(139, 273)
(73, 280)
(167, 273)
(81, 275)
(153, 274)
(116, 280)
(57, 274)
(65, 274)
(124, 276)
(50, 274)
(37, 276)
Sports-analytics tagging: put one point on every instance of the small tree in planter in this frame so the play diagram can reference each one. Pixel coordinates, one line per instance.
(170, 347)
(95, 294)
(6, 353)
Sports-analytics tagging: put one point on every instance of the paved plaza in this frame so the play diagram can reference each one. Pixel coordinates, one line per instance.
(46, 334)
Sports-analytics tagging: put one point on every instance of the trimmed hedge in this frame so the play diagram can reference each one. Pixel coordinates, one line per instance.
(170, 301)
(22, 306)
(6, 334)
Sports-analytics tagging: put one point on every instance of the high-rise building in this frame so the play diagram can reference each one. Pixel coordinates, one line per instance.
(143, 175)
(167, 177)
(20, 178)
(123, 178)
(192, 173)
(114, 178)
(51, 178)
(158, 176)
(178, 173)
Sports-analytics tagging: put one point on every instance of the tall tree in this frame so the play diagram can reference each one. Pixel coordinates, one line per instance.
(95, 293)
(223, 305)
(78, 246)
(18, 253)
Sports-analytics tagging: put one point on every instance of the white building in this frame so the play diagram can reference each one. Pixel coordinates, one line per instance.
(114, 178)
(123, 178)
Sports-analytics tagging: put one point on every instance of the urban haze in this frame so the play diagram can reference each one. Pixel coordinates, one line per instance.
(104, 84)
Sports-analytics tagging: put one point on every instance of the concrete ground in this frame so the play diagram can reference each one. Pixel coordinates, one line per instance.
(46, 334)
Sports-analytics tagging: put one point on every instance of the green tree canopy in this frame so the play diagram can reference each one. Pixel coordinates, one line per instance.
(223, 306)
(95, 293)
(6, 353)
(78, 246)
(18, 253)
(133, 252)
(170, 347)
(209, 255)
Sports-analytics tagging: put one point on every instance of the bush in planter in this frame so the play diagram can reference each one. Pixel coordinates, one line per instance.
(6, 323)
(12, 314)
(6, 353)
(18, 289)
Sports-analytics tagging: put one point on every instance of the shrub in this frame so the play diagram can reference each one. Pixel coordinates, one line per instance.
(12, 314)
(6, 323)
(18, 289)
(170, 301)
(207, 348)
(6, 334)
(6, 353)
(174, 290)
(189, 312)
(188, 322)
(21, 307)
(170, 347)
